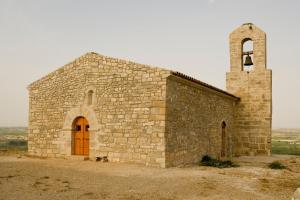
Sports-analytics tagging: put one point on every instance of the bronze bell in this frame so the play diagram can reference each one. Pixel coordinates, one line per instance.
(248, 61)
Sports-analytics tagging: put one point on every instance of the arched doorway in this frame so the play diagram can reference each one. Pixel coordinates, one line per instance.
(223, 140)
(80, 136)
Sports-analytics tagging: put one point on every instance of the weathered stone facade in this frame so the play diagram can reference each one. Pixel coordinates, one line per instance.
(194, 121)
(143, 114)
(253, 116)
(123, 118)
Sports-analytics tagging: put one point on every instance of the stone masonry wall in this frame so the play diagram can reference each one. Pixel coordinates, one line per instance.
(127, 114)
(254, 111)
(193, 122)
(253, 117)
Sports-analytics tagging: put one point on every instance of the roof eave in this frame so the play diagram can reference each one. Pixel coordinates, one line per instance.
(179, 74)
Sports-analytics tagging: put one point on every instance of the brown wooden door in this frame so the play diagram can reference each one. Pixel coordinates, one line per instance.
(81, 137)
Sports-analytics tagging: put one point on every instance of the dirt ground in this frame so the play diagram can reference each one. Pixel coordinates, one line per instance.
(32, 178)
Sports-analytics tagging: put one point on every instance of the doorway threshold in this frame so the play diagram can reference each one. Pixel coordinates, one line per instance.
(78, 157)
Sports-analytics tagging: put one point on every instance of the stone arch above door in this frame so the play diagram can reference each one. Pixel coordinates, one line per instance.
(65, 138)
(84, 111)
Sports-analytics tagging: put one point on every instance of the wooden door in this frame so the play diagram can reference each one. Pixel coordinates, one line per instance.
(81, 137)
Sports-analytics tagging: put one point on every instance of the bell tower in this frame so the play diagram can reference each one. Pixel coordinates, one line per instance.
(250, 80)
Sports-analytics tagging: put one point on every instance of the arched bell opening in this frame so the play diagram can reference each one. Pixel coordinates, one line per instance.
(80, 136)
(247, 54)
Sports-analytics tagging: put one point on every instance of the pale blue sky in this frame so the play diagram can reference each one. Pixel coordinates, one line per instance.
(38, 36)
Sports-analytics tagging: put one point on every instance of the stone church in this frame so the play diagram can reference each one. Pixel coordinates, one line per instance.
(98, 106)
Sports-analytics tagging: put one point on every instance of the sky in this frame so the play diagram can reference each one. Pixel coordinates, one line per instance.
(190, 36)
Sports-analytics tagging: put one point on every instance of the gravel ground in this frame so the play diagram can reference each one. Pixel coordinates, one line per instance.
(33, 178)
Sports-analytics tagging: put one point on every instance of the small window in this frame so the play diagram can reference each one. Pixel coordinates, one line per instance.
(78, 128)
(87, 128)
(90, 97)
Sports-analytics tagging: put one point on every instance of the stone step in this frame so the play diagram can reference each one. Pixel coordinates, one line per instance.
(78, 157)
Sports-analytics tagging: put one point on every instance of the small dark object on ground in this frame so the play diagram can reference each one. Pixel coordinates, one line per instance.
(276, 165)
(105, 159)
(208, 161)
(206, 158)
(98, 159)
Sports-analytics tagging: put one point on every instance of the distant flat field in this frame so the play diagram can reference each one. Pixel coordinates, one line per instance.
(284, 141)
(13, 131)
(13, 139)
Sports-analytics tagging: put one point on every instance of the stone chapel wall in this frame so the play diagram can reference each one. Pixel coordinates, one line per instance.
(128, 110)
(194, 121)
